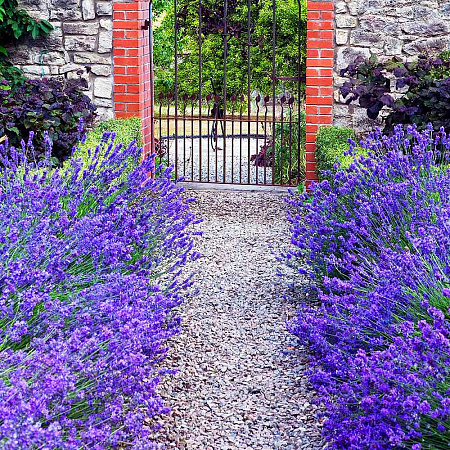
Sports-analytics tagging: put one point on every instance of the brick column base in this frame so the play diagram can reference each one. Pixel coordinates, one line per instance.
(131, 60)
(319, 76)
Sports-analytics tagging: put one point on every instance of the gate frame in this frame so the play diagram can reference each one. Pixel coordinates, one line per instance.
(132, 68)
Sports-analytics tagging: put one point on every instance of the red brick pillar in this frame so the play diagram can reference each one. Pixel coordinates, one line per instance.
(131, 52)
(319, 76)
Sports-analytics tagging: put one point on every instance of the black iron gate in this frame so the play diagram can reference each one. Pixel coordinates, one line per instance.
(228, 89)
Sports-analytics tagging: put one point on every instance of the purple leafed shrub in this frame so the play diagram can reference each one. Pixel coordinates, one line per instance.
(376, 239)
(91, 260)
(44, 105)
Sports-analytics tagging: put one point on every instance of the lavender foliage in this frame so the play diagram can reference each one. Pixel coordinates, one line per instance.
(91, 259)
(376, 238)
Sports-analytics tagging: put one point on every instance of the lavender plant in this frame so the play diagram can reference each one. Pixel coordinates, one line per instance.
(377, 240)
(90, 263)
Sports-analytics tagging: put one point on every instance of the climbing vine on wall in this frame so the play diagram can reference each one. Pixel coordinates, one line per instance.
(16, 23)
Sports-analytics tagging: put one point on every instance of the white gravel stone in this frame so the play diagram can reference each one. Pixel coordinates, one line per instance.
(241, 381)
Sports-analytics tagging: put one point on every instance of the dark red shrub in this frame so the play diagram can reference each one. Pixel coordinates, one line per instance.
(45, 104)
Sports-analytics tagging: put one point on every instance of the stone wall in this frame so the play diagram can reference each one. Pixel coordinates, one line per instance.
(385, 28)
(81, 40)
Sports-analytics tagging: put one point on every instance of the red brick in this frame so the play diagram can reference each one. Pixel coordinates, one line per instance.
(120, 106)
(126, 25)
(126, 61)
(132, 70)
(119, 70)
(133, 88)
(311, 128)
(326, 91)
(118, 34)
(310, 147)
(312, 109)
(132, 15)
(118, 51)
(132, 52)
(313, 15)
(327, 15)
(326, 72)
(313, 81)
(124, 114)
(326, 53)
(119, 88)
(325, 120)
(311, 53)
(126, 43)
(312, 90)
(126, 98)
(320, 43)
(320, 62)
(312, 100)
(320, 25)
(133, 107)
(125, 79)
(125, 6)
(312, 72)
(326, 34)
(320, 6)
(132, 34)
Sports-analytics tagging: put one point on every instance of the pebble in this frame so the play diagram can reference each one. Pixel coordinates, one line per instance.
(241, 381)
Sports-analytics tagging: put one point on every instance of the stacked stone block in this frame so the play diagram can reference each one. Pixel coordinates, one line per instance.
(385, 28)
(81, 41)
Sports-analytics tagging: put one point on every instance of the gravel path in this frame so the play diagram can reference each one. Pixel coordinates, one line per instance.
(241, 383)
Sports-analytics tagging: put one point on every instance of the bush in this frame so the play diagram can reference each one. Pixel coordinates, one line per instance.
(289, 161)
(288, 169)
(45, 105)
(332, 143)
(425, 84)
(13, 75)
(125, 131)
(376, 241)
(91, 270)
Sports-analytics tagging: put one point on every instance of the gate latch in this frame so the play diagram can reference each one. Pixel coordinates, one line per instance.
(146, 25)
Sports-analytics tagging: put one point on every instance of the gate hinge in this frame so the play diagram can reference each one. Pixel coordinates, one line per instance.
(146, 25)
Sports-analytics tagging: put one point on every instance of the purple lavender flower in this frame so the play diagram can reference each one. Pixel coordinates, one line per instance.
(90, 274)
(376, 238)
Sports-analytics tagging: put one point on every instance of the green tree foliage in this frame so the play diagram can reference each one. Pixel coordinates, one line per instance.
(16, 23)
(213, 38)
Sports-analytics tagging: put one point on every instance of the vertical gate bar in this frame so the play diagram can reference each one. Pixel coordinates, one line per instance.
(281, 141)
(200, 87)
(225, 56)
(152, 79)
(249, 105)
(184, 135)
(168, 128)
(291, 101)
(207, 121)
(257, 131)
(216, 137)
(266, 99)
(233, 99)
(161, 143)
(299, 106)
(193, 98)
(176, 89)
(241, 102)
(274, 29)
